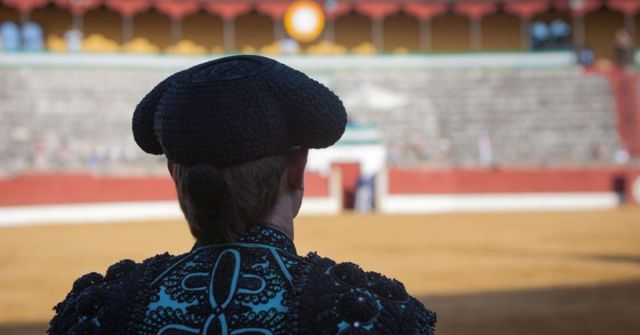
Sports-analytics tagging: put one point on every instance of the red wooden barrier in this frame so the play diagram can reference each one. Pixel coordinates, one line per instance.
(33, 189)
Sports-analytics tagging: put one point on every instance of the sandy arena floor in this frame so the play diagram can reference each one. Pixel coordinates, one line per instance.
(519, 273)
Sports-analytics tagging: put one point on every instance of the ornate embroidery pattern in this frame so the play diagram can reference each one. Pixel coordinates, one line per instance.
(256, 286)
(237, 288)
(343, 299)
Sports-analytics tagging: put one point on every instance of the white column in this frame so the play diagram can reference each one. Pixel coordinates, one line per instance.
(78, 22)
(176, 31)
(425, 35)
(476, 34)
(330, 30)
(525, 36)
(378, 34)
(127, 29)
(278, 30)
(229, 35)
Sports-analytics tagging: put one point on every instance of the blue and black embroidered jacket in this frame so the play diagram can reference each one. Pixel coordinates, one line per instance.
(257, 285)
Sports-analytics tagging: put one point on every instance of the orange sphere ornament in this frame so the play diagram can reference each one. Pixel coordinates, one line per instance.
(304, 20)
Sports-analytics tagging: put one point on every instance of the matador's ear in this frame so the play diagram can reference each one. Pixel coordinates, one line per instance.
(143, 120)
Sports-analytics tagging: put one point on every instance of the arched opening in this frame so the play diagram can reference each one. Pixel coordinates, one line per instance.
(501, 31)
(55, 22)
(401, 33)
(600, 31)
(254, 31)
(8, 14)
(353, 31)
(203, 30)
(151, 32)
(450, 32)
(102, 30)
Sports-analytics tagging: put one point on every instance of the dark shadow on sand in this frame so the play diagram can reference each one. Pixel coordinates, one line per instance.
(585, 310)
(618, 258)
(24, 328)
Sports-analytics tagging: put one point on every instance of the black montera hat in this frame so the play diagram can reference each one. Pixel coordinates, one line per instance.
(236, 109)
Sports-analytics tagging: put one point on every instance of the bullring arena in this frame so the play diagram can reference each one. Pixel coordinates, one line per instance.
(524, 273)
(497, 177)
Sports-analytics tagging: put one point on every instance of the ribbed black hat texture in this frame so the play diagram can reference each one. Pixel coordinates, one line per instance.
(236, 109)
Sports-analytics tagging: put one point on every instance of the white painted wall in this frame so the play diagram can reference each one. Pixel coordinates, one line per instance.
(488, 202)
(370, 156)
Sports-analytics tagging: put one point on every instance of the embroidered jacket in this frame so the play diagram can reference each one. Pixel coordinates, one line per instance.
(258, 285)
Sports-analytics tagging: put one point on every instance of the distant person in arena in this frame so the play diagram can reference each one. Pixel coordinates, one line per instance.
(236, 133)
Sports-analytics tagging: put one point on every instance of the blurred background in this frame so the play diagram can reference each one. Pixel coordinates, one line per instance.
(491, 161)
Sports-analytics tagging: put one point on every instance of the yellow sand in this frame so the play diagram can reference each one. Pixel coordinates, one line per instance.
(437, 255)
